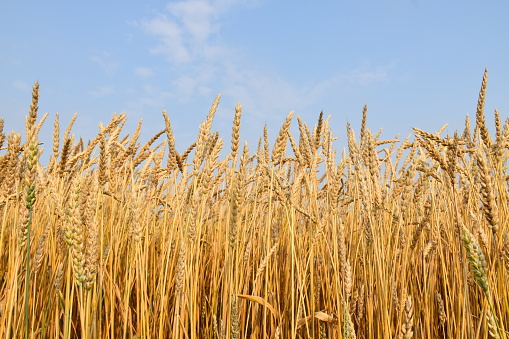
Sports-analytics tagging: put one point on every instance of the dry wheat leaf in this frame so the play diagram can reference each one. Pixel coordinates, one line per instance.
(319, 315)
(260, 301)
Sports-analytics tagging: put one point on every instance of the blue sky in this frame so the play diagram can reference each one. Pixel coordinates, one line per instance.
(414, 63)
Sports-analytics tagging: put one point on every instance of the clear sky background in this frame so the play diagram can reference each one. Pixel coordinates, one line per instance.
(415, 63)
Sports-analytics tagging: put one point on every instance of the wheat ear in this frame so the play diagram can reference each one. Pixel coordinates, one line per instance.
(480, 121)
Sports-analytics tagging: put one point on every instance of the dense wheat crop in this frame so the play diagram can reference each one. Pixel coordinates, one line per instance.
(115, 238)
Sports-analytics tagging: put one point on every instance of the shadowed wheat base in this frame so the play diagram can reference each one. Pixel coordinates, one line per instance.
(118, 239)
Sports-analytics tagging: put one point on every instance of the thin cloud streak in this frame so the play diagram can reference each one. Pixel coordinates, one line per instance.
(143, 72)
(202, 66)
(19, 84)
(101, 91)
(106, 62)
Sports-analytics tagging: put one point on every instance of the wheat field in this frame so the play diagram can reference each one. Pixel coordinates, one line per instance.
(115, 238)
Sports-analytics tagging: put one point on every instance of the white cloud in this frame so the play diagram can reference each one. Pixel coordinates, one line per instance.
(101, 91)
(366, 77)
(143, 72)
(186, 33)
(106, 62)
(18, 84)
(196, 17)
(170, 34)
(363, 76)
(264, 94)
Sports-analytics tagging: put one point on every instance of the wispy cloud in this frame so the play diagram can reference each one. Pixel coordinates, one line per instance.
(170, 35)
(106, 62)
(18, 84)
(143, 72)
(264, 94)
(368, 75)
(197, 17)
(186, 30)
(187, 34)
(101, 91)
(362, 76)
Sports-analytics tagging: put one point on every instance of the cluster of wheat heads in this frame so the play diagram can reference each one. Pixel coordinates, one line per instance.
(120, 239)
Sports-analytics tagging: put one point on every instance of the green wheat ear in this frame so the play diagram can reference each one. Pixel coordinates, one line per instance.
(476, 259)
(480, 268)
